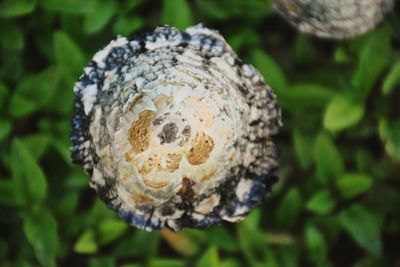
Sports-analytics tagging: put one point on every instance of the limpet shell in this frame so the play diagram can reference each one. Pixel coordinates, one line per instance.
(175, 130)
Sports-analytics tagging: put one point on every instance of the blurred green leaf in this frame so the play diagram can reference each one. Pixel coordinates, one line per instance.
(69, 6)
(342, 55)
(33, 92)
(353, 184)
(106, 261)
(12, 8)
(41, 231)
(99, 17)
(392, 79)
(86, 244)
(306, 95)
(374, 58)
(271, 71)
(36, 144)
(363, 227)
(166, 263)
(29, 180)
(5, 128)
(230, 263)
(177, 13)
(68, 55)
(302, 146)
(327, 157)
(110, 229)
(390, 136)
(125, 26)
(289, 208)
(315, 244)
(11, 36)
(220, 238)
(342, 113)
(209, 258)
(321, 203)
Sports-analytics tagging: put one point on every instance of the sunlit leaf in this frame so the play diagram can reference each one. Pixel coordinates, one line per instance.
(342, 112)
(353, 184)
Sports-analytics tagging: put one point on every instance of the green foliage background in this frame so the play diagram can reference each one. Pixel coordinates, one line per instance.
(337, 202)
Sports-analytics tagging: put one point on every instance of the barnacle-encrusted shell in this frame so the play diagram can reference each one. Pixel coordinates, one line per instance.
(338, 19)
(175, 130)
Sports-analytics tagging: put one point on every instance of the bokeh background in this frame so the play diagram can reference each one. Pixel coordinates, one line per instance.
(337, 202)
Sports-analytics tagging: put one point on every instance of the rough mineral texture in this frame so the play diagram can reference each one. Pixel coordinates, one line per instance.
(175, 130)
(338, 19)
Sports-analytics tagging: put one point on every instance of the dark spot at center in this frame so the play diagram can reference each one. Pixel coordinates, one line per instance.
(168, 133)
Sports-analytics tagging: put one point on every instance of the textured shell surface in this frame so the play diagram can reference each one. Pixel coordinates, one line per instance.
(175, 130)
(337, 19)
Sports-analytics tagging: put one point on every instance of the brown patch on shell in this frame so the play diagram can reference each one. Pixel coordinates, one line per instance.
(153, 162)
(173, 162)
(202, 146)
(142, 199)
(155, 183)
(186, 192)
(139, 133)
(207, 176)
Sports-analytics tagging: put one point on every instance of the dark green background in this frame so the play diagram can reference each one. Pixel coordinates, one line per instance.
(337, 202)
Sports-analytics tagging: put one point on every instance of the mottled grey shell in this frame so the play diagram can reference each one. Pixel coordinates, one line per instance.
(175, 130)
(337, 19)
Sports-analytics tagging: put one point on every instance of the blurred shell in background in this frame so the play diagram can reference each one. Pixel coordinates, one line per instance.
(336, 19)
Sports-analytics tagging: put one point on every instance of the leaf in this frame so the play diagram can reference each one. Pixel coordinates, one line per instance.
(271, 71)
(392, 79)
(180, 242)
(41, 231)
(315, 244)
(11, 36)
(209, 258)
(289, 208)
(321, 203)
(5, 128)
(230, 263)
(127, 25)
(33, 92)
(220, 238)
(12, 8)
(177, 13)
(99, 17)
(389, 133)
(29, 180)
(363, 227)
(69, 56)
(110, 229)
(86, 244)
(353, 184)
(69, 7)
(36, 144)
(327, 157)
(342, 113)
(306, 95)
(302, 146)
(374, 58)
(167, 263)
